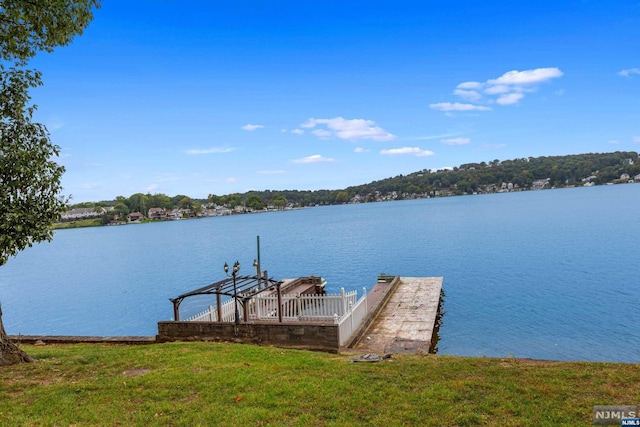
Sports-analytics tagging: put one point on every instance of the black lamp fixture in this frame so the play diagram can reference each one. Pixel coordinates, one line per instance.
(234, 272)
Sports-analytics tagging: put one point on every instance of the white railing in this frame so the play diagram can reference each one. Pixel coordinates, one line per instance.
(343, 309)
(350, 322)
(211, 313)
(301, 307)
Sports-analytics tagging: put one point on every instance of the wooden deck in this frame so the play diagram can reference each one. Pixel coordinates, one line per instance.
(296, 286)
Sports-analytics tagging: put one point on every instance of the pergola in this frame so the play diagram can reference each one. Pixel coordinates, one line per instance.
(241, 288)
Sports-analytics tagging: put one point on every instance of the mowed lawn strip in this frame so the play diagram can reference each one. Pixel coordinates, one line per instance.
(206, 384)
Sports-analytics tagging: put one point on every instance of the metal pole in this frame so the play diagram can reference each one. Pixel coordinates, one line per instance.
(235, 298)
(258, 266)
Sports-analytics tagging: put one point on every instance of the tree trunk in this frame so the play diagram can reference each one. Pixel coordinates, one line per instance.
(10, 354)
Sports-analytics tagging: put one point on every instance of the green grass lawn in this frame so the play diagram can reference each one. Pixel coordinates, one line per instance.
(191, 384)
(78, 224)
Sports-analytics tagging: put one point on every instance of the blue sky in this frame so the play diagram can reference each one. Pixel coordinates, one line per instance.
(201, 97)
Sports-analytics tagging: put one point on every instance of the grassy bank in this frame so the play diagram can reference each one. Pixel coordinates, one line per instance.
(225, 384)
(78, 224)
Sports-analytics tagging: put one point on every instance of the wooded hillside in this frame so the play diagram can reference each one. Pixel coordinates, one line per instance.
(485, 177)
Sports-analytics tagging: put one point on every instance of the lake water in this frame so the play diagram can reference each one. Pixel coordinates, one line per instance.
(550, 274)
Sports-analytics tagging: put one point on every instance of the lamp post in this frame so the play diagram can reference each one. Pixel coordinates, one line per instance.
(234, 272)
(256, 264)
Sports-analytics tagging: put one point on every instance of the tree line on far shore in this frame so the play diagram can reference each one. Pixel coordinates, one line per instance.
(485, 177)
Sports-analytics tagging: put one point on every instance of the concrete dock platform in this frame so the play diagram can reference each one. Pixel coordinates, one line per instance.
(407, 321)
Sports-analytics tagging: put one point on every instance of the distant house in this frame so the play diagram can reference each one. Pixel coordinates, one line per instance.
(624, 177)
(221, 210)
(157, 213)
(539, 184)
(637, 178)
(135, 216)
(84, 213)
(186, 213)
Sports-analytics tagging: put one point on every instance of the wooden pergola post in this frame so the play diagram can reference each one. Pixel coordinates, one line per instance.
(219, 306)
(176, 310)
(245, 310)
(279, 303)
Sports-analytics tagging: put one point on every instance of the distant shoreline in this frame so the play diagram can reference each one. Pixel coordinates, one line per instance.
(96, 222)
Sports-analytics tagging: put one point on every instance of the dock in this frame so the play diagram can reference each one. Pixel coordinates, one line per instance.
(398, 315)
(406, 319)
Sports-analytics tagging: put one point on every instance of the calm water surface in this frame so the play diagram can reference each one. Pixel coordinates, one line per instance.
(551, 274)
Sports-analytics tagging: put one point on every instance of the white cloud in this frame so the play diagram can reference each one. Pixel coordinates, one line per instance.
(469, 85)
(457, 106)
(322, 133)
(512, 84)
(196, 151)
(251, 127)
(152, 187)
(416, 151)
(526, 77)
(297, 131)
(509, 98)
(273, 172)
(349, 129)
(613, 141)
(509, 87)
(456, 141)
(629, 71)
(231, 179)
(636, 139)
(316, 158)
(469, 95)
(497, 89)
(360, 150)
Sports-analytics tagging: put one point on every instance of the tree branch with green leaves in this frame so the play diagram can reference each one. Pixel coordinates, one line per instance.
(30, 177)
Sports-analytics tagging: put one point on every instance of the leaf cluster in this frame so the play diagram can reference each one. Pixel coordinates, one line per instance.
(29, 26)
(29, 178)
(30, 184)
